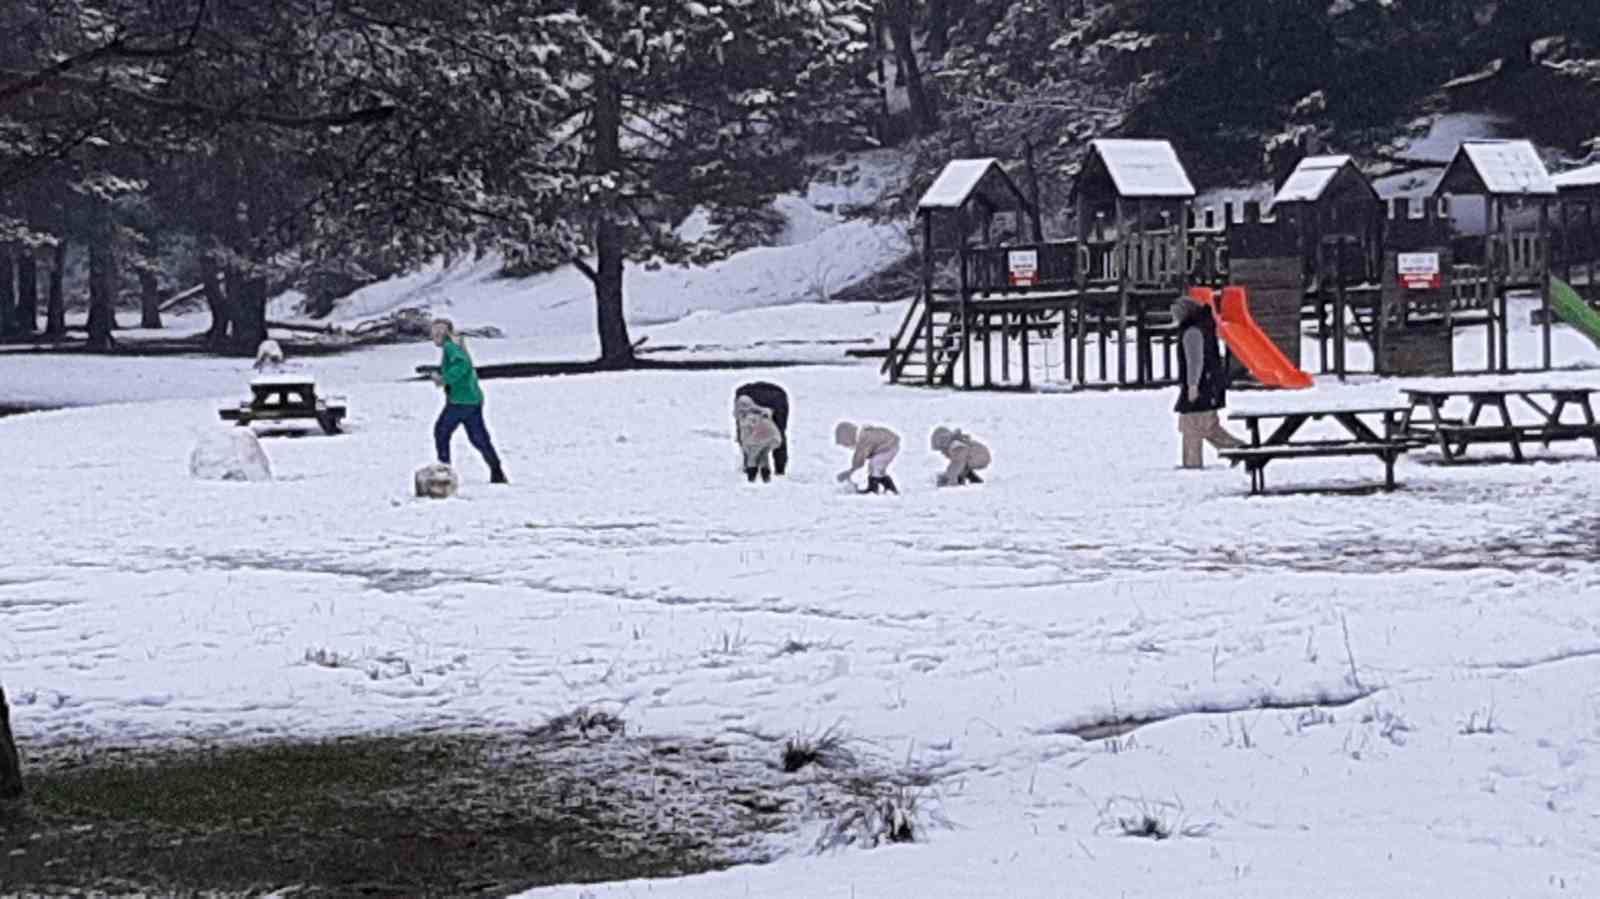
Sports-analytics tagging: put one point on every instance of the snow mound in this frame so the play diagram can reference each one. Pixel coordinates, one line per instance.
(231, 454)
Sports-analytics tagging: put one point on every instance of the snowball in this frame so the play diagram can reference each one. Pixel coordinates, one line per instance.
(232, 454)
(437, 481)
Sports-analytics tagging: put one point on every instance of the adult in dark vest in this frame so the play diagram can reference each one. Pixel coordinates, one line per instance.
(1202, 382)
(775, 398)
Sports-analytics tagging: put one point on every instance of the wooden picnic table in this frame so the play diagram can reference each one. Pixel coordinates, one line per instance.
(283, 398)
(1454, 435)
(1371, 431)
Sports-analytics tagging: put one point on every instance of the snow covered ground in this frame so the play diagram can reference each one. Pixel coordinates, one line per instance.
(962, 634)
(1350, 695)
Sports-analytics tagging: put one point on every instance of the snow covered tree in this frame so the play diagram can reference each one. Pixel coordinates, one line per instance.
(582, 133)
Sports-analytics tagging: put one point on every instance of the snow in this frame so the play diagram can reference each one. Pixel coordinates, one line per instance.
(1508, 167)
(956, 182)
(1587, 176)
(960, 633)
(1144, 168)
(1310, 178)
(1445, 134)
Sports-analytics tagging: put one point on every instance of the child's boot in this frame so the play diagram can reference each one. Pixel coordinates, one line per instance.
(497, 476)
(766, 475)
(750, 475)
(888, 484)
(972, 478)
(872, 485)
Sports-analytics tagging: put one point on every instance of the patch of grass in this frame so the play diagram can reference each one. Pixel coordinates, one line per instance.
(1480, 721)
(425, 815)
(879, 815)
(223, 787)
(1150, 820)
(826, 749)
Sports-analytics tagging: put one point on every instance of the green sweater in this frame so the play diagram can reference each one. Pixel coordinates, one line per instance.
(460, 378)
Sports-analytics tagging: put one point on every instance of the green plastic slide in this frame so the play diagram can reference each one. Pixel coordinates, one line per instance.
(1571, 308)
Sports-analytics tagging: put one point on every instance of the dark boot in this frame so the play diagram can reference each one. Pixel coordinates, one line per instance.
(888, 484)
(497, 476)
(873, 485)
(766, 475)
(750, 475)
(972, 478)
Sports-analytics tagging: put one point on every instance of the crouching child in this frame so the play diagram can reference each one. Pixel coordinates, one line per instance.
(967, 456)
(875, 448)
(758, 437)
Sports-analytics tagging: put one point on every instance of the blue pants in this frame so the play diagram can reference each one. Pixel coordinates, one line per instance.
(454, 416)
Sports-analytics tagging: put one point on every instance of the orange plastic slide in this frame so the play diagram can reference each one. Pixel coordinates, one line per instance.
(1245, 339)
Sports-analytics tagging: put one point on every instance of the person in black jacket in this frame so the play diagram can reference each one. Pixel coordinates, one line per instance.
(773, 397)
(1202, 382)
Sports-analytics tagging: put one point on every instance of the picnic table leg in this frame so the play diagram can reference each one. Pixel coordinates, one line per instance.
(1588, 418)
(1388, 470)
(1505, 419)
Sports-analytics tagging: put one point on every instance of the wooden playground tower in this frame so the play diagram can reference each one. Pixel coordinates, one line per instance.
(1401, 276)
(1113, 279)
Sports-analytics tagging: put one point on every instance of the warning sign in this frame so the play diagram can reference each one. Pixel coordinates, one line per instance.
(1023, 266)
(1418, 271)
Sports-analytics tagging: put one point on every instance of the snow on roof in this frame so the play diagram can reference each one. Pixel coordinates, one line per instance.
(1505, 167)
(1144, 168)
(956, 183)
(1588, 176)
(1310, 178)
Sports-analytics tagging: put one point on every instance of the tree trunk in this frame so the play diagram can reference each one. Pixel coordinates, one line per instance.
(56, 303)
(8, 293)
(10, 762)
(102, 280)
(250, 314)
(149, 299)
(27, 293)
(938, 28)
(216, 303)
(615, 347)
(922, 105)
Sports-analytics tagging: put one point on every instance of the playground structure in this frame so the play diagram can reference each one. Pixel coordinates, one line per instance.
(1398, 277)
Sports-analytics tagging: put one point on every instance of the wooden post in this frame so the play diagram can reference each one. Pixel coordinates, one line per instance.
(1123, 246)
(1544, 275)
(1486, 298)
(965, 285)
(927, 331)
(988, 331)
(1005, 348)
(1503, 293)
(1022, 333)
(10, 762)
(1083, 263)
(1339, 310)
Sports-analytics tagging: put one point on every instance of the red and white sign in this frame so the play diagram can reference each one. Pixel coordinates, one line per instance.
(1023, 266)
(1418, 271)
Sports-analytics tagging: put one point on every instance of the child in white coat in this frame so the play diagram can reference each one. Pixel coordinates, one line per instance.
(875, 447)
(967, 456)
(758, 437)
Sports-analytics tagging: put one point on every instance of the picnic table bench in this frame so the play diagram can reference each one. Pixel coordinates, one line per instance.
(1454, 434)
(1382, 439)
(285, 398)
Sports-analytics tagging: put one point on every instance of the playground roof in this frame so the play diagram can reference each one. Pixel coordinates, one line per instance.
(1311, 179)
(1578, 179)
(1141, 168)
(962, 179)
(1497, 168)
